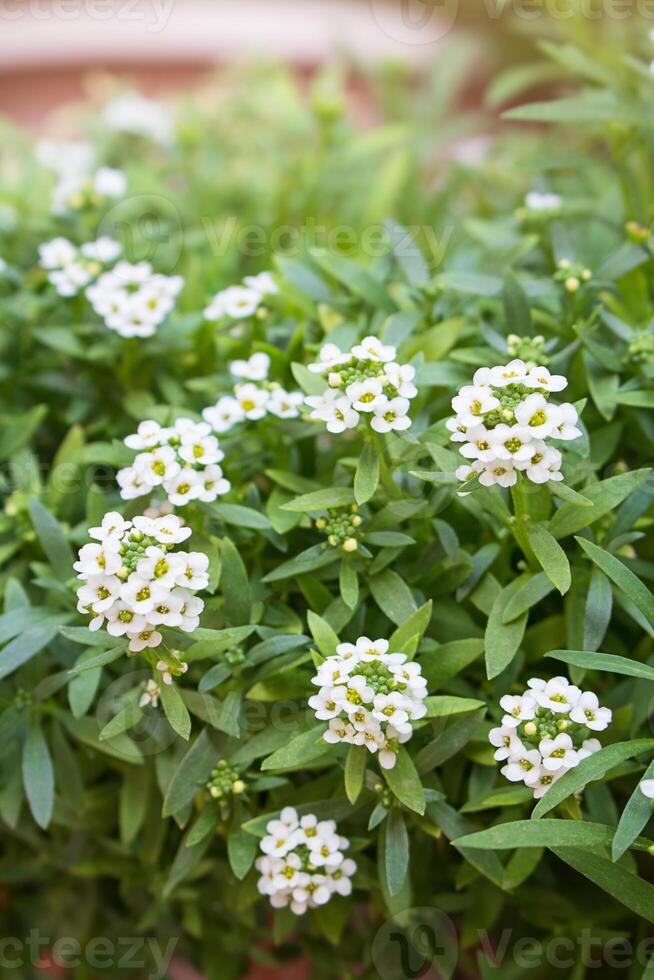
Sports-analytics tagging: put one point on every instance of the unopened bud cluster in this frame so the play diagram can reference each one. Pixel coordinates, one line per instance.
(572, 275)
(531, 350)
(342, 530)
(225, 781)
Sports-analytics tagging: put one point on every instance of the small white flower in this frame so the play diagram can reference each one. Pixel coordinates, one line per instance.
(511, 442)
(506, 742)
(73, 158)
(150, 695)
(517, 708)
(105, 250)
(263, 283)
(372, 349)
(501, 472)
(401, 377)
(589, 747)
(543, 201)
(157, 466)
(113, 523)
(540, 377)
(472, 403)
(558, 695)
(544, 465)
(558, 753)
(183, 487)
(212, 484)
(537, 415)
(333, 409)
(226, 413)
(109, 182)
(587, 711)
(392, 416)
(57, 254)
(99, 559)
(545, 782)
(330, 356)
(133, 113)
(480, 444)
(254, 369)
(285, 404)
(366, 396)
(253, 400)
(237, 302)
(508, 374)
(646, 787)
(524, 767)
(565, 426)
(143, 640)
(148, 435)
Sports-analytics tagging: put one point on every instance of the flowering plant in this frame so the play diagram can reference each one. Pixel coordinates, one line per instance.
(188, 657)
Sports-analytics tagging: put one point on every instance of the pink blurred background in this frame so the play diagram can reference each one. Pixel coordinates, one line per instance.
(49, 47)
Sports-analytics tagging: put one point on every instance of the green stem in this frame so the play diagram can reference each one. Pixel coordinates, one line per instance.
(522, 518)
(386, 467)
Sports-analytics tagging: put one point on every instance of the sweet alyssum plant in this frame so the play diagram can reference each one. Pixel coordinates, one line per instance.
(151, 766)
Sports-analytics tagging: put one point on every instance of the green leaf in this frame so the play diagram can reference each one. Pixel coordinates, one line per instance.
(356, 279)
(133, 803)
(593, 767)
(38, 774)
(100, 660)
(597, 614)
(404, 782)
(324, 636)
(234, 584)
(355, 768)
(321, 500)
(28, 644)
(604, 497)
(551, 557)
(622, 576)
(631, 891)
(542, 833)
(366, 477)
(442, 706)
(175, 710)
(407, 636)
(394, 848)
(635, 816)
(240, 516)
(241, 851)
(348, 584)
(211, 643)
(529, 594)
(516, 306)
(604, 661)
(193, 770)
(502, 640)
(302, 749)
(52, 539)
(393, 596)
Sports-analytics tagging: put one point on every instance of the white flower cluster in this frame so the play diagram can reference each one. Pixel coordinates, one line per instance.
(77, 191)
(134, 300)
(503, 419)
(182, 459)
(133, 113)
(135, 582)
(365, 380)
(303, 863)
(71, 269)
(253, 399)
(240, 302)
(78, 186)
(545, 732)
(370, 697)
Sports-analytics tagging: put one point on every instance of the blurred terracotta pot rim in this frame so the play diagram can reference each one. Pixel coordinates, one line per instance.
(65, 33)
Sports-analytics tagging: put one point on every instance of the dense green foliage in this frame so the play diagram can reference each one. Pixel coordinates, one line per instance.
(107, 825)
